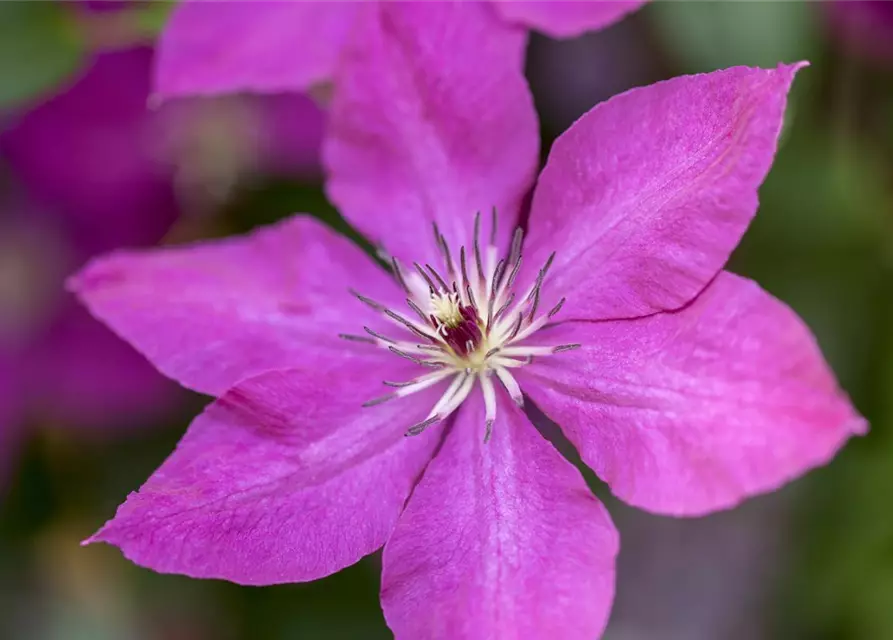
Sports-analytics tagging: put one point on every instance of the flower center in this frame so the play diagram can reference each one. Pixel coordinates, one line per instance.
(468, 325)
(456, 323)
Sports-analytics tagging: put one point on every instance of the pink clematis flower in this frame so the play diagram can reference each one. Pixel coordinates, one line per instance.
(86, 181)
(209, 48)
(685, 387)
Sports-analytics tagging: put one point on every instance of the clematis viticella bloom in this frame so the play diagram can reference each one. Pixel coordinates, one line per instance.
(211, 48)
(358, 407)
(83, 180)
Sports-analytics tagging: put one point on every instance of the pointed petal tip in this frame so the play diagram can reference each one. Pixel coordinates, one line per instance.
(98, 537)
(95, 273)
(79, 280)
(858, 426)
(792, 418)
(73, 282)
(790, 69)
(516, 489)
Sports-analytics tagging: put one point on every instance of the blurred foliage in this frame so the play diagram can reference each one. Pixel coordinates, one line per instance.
(150, 17)
(702, 36)
(40, 48)
(44, 44)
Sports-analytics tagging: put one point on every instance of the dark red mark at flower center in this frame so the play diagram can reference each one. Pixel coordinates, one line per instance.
(465, 335)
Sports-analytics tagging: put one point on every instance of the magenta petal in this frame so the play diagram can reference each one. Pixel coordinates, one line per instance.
(432, 121)
(688, 412)
(286, 478)
(645, 196)
(499, 540)
(566, 19)
(217, 312)
(223, 47)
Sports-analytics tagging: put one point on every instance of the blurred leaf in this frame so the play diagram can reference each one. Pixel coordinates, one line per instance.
(151, 17)
(844, 581)
(278, 199)
(40, 47)
(818, 243)
(712, 35)
(822, 194)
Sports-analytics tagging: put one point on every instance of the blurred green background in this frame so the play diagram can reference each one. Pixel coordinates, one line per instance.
(814, 561)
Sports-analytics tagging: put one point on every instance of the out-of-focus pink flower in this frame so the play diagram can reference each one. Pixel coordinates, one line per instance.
(686, 388)
(87, 154)
(88, 181)
(268, 47)
(220, 142)
(864, 26)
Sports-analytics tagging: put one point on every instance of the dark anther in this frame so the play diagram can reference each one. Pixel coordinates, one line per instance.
(399, 275)
(463, 267)
(497, 274)
(403, 354)
(440, 281)
(368, 301)
(416, 429)
(406, 323)
(516, 328)
(424, 275)
(514, 274)
(471, 299)
(379, 400)
(352, 338)
(548, 264)
(379, 336)
(515, 253)
(441, 242)
(557, 307)
(477, 246)
(533, 307)
(412, 305)
(504, 307)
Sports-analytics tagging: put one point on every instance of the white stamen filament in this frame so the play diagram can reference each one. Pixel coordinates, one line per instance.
(511, 385)
(526, 351)
(451, 391)
(441, 411)
(424, 382)
(489, 403)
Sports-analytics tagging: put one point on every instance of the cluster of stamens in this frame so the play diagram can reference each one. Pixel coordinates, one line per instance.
(467, 325)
